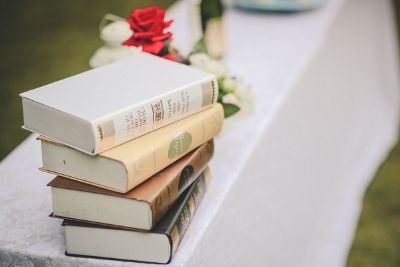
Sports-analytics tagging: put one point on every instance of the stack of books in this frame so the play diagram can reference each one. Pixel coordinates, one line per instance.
(130, 144)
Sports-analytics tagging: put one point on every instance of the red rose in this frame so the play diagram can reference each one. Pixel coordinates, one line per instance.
(148, 26)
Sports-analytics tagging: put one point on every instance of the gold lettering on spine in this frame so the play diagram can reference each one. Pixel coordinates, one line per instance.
(158, 111)
(135, 122)
(106, 133)
(175, 239)
(208, 92)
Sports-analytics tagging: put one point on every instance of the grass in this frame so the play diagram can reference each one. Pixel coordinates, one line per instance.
(44, 41)
(377, 240)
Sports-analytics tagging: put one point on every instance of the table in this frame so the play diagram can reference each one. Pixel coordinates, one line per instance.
(288, 179)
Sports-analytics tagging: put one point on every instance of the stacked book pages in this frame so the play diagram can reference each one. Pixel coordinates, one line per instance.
(130, 144)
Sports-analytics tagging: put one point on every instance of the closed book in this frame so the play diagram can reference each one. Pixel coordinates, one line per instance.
(158, 246)
(141, 207)
(107, 106)
(124, 167)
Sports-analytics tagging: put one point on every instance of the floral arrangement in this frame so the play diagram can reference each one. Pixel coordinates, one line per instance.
(146, 30)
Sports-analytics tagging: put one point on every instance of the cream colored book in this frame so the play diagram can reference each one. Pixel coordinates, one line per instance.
(128, 165)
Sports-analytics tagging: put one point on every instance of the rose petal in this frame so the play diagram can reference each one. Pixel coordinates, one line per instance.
(169, 57)
(143, 35)
(153, 48)
(168, 23)
(163, 37)
(129, 42)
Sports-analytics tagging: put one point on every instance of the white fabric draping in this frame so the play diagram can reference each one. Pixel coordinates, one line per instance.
(288, 179)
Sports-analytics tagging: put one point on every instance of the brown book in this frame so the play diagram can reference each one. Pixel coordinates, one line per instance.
(158, 246)
(140, 208)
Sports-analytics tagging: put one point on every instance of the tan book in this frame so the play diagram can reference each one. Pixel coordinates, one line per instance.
(128, 165)
(140, 208)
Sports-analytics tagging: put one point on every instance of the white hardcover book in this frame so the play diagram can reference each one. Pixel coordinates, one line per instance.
(104, 107)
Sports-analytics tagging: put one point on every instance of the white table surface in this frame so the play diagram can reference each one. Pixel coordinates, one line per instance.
(289, 179)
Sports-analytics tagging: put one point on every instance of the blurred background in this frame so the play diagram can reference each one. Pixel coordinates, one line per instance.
(45, 41)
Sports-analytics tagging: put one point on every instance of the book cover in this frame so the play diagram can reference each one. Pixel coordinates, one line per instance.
(91, 240)
(107, 106)
(159, 192)
(140, 158)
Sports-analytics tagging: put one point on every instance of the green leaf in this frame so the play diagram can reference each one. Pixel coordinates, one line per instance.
(165, 49)
(200, 47)
(221, 94)
(220, 82)
(211, 9)
(230, 109)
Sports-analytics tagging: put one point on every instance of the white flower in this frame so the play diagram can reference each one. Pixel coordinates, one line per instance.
(204, 62)
(229, 85)
(230, 99)
(105, 55)
(238, 93)
(199, 60)
(115, 33)
(244, 95)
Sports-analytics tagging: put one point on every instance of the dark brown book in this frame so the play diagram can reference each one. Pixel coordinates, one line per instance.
(140, 208)
(158, 246)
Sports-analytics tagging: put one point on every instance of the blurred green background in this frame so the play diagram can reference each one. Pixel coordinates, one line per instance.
(45, 41)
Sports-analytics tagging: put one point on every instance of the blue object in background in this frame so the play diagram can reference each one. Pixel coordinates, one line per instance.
(279, 5)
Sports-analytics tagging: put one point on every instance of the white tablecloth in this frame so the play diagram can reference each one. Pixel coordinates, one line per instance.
(289, 179)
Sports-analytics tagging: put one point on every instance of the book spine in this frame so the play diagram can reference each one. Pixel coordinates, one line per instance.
(171, 143)
(151, 115)
(187, 210)
(190, 168)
